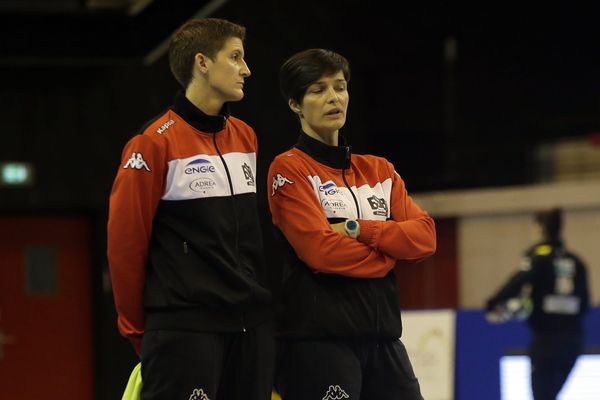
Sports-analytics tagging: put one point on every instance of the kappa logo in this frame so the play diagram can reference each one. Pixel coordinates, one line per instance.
(198, 394)
(165, 126)
(379, 206)
(136, 161)
(335, 392)
(278, 181)
(248, 175)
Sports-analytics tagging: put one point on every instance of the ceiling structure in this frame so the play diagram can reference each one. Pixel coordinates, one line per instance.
(91, 32)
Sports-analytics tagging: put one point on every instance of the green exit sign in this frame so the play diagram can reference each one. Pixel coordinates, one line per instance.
(16, 174)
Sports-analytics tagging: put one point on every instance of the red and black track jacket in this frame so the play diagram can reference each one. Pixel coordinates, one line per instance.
(184, 241)
(336, 286)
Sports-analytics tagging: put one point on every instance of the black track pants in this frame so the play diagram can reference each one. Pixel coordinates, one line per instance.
(186, 365)
(345, 369)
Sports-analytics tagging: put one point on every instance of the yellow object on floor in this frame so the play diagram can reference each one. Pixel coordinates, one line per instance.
(133, 390)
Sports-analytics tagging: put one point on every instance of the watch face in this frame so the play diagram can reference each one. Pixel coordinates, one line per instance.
(351, 225)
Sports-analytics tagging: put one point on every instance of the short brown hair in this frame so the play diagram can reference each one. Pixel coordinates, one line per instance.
(306, 67)
(203, 35)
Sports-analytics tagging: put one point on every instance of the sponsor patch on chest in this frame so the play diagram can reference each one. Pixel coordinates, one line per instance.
(365, 201)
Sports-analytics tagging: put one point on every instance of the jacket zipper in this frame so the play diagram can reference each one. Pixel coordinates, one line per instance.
(346, 182)
(237, 223)
(358, 213)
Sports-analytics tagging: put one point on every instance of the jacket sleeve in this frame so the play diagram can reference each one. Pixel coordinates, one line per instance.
(512, 287)
(585, 289)
(408, 235)
(135, 194)
(297, 213)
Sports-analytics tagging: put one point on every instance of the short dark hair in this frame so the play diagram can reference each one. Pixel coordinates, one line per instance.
(551, 222)
(306, 67)
(203, 35)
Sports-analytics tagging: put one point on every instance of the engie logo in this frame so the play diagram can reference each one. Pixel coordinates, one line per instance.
(329, 189)
(199, 166)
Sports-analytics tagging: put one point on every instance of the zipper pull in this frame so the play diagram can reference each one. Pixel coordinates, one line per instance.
(185, 248)
(348, 156)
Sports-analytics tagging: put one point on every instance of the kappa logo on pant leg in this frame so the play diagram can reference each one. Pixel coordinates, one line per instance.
(198, 394)
(335, 392)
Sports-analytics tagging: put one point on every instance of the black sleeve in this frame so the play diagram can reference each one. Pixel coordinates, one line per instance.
(585, 295)
(511, 288)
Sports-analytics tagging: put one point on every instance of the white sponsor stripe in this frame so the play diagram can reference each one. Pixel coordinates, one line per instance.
(203, 175)
(338, 202)
(235, 163)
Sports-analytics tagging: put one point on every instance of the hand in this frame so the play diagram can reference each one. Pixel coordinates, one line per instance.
(339, 228)
(497, 315)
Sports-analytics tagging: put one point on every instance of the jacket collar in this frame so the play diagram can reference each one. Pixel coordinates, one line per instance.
(197, 118)
(333, 156)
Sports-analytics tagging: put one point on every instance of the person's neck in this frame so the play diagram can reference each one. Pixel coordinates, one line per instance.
(201, 98)
(329, 138)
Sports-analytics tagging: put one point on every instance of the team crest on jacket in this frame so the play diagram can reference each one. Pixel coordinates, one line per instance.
(136, 161)
(335, 392)
(248, 175)
(278, 181)
(378, 205)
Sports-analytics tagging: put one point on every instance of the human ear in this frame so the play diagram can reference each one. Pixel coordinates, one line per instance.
(295, 107)
(201, 62)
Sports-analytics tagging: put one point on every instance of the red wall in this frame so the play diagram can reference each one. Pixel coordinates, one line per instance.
(432, 283)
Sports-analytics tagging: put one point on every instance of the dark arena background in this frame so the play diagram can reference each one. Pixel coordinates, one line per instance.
(488, 112)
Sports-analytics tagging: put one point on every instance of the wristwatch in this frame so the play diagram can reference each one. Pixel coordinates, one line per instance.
(352, 228)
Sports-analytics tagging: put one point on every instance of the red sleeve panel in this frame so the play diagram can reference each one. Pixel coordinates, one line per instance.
(297, 212)
(135, 195)
(409, 234)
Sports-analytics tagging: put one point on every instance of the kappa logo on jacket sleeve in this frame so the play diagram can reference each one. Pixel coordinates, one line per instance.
(136, 161)
(278, 181)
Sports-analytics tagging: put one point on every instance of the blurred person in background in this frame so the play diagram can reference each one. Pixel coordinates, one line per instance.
(550, 290)
(184, 240)
(345, 220)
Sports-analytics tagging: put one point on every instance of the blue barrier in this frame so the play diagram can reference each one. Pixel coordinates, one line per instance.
(479, 346)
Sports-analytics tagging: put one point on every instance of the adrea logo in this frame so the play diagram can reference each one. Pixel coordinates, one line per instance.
(335, 392)
(199, 166)
(202, 185)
